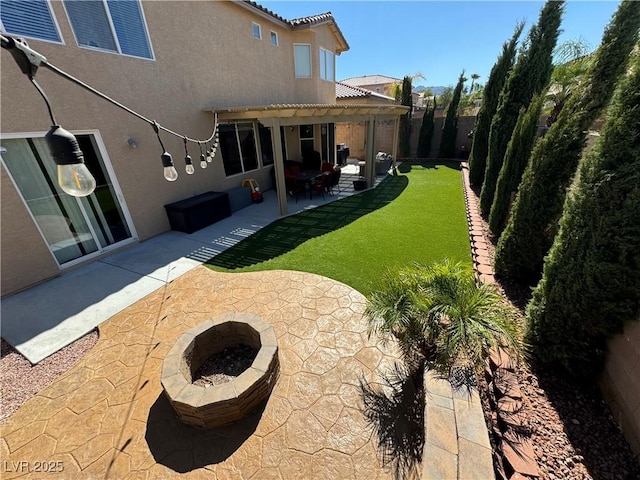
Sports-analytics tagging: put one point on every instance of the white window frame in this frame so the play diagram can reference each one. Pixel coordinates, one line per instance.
(114, 33)
(324, 56)
(253, 30)
(274, 39)
(295, 60)
(55, 24)
(102, 149)
(256, 146)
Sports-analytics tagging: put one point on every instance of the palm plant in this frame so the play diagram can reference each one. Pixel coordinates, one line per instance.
(443, 319)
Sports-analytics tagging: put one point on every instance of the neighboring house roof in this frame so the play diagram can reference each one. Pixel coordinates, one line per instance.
(370, 80)
(305, 22)
(348, 91)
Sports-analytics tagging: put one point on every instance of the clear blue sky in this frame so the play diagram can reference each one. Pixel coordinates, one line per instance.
(438, 38)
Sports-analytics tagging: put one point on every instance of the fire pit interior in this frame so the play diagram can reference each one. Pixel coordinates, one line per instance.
(210, 406)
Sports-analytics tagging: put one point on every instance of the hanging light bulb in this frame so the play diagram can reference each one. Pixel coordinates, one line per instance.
(73, 176)
(187, 159)
(170, 172)
(209, 159)
(189, 165)
(203, 160)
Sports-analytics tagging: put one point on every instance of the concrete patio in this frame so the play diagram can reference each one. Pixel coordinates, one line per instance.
(107, 417)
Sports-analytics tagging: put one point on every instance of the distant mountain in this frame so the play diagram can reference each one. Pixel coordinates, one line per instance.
(435, 90)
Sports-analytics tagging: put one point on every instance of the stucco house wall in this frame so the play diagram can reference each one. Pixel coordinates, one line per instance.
(205, 56)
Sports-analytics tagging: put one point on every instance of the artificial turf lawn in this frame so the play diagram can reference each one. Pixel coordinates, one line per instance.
(417, 216)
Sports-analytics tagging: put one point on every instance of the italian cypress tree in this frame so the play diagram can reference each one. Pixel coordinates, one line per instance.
(405, 120)
(515, 161)
(426, 131)
(450, 127)
(591, 281)
(533, 223)
(529, 76)
(490, 96)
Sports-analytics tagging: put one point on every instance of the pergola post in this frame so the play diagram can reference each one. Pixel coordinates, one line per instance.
(369, 169)
(396, 136)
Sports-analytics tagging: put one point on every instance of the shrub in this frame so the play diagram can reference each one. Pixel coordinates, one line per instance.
(515, 161)
(533, 223)
(530, 76)
(450, 127)
(491, 94)
(426, 132)
(591, 280)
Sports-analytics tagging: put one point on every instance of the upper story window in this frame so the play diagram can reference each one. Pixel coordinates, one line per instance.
(112, 25)
(302, 58)
(32, 19)
(274, 39)
(257, 31)
(326, 65)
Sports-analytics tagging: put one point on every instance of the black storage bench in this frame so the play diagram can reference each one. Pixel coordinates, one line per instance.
(198, 212)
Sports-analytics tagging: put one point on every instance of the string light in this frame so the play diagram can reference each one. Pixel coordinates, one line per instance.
(187, 160)
(203, 160)
(75, 178)
(170, 172)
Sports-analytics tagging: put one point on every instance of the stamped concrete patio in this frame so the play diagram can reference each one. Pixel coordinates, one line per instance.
(108, 418)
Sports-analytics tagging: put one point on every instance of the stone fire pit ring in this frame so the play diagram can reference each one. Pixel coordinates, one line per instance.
(219, 405)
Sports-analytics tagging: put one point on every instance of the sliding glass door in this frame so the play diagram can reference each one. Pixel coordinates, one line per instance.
(72, 227)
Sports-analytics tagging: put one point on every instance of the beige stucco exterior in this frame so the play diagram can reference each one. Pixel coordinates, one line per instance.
(205, 56)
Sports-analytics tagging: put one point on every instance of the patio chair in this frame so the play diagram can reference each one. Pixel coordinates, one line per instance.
(321, 183)
(335, 179)
(294, 188)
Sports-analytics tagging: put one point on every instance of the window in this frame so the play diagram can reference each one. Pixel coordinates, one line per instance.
(111, 25)
(266, 145)
(326, 65)
(274, 39)
(302, 58)
(257, 32)
(73, 227)
(29, 19)
(238, 148)
(306, 140)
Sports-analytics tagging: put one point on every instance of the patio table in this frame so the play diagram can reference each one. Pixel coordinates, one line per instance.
(307, 178)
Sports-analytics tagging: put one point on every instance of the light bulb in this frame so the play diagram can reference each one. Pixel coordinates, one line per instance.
(170, 172)
(76, 180)
(189, 165)
(203, 161)
(209, 159)
(73, 176)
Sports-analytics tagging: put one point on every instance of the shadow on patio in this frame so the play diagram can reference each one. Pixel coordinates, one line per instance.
(183, 448)
(288, 233)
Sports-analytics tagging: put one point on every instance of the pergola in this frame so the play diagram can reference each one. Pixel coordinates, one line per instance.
(276, 116)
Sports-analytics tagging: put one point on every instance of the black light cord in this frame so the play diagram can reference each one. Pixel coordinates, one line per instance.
(46, 100)
(6, 44)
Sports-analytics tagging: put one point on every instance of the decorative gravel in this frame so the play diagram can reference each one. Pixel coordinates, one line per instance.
(19, 380)
(224, 366)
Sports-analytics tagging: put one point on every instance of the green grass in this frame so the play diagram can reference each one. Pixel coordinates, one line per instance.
(416, 216)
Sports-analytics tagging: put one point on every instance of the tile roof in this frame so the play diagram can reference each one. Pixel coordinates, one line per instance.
(370, 80)
(350, 91)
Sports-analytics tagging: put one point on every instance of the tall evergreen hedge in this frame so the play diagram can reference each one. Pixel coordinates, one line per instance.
(533, 223)
(426, 131)
(591, 281)
(515, 161)
(495, 83)
(529, 76)
(405, 120)
(450, 127)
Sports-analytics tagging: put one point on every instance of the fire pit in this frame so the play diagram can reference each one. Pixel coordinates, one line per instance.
(219, 405)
